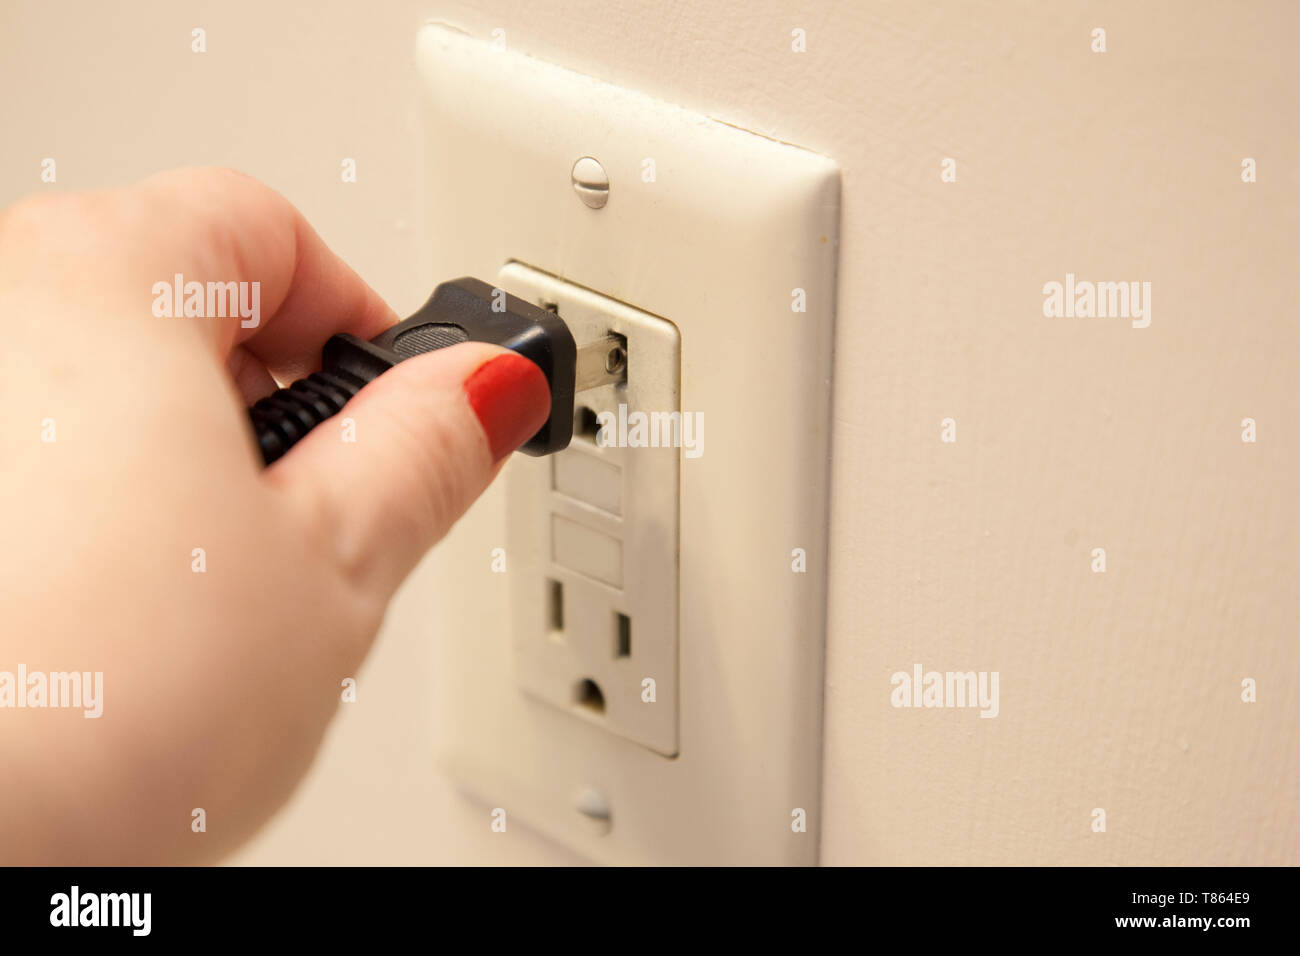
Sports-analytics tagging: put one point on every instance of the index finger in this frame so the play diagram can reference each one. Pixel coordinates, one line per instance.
(236, 229)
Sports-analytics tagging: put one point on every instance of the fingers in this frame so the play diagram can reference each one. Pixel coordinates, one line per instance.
(385, 479)
(227, 227)
(205, 252)
(249, 375)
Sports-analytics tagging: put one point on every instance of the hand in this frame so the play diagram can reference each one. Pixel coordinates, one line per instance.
(223, 604)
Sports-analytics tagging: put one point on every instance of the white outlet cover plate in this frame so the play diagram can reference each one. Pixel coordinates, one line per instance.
(726, 233)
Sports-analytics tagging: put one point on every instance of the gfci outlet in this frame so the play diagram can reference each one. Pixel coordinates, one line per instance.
(628, 635)
(593, 531)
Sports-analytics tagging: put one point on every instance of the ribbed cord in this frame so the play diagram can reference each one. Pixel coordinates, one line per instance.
(284, 417)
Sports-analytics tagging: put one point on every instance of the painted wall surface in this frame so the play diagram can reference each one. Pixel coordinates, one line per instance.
(1118, 690)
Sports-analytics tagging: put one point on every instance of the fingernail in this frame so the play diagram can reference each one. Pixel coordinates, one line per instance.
(512, 400)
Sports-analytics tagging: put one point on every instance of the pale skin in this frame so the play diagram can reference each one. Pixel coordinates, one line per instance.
(218, 685)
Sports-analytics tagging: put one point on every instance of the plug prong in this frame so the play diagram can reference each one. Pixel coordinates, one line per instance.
(602, 362)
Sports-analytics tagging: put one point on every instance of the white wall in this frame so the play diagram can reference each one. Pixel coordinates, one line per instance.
(1118, 690)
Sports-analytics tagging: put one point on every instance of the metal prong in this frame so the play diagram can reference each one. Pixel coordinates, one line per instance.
(602, 362)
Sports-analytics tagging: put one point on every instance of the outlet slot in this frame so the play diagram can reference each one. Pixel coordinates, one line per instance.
(555, 608)
(587, 694)
(585, 424)
(623, 648)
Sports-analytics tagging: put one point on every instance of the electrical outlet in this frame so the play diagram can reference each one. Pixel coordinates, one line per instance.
(593, 529)
(713, 251)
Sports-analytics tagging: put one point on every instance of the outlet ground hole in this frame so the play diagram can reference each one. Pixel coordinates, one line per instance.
(587, 694)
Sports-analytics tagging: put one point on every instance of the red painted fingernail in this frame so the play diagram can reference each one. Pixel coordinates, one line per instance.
(512, 400)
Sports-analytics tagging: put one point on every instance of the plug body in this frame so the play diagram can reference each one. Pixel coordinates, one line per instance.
(462, 310)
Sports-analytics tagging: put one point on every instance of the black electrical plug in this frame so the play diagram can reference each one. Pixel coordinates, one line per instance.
(462, 310)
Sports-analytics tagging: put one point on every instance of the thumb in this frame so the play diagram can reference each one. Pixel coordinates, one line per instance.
(389, 475)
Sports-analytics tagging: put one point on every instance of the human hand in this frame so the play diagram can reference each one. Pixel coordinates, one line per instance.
(126, 448)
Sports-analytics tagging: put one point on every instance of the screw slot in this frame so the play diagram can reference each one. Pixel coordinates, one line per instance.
(591, 182)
